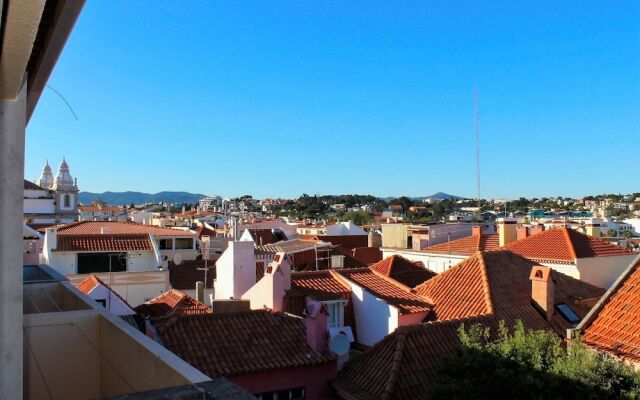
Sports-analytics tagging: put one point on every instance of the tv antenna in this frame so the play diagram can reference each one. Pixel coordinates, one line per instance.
(476, 111)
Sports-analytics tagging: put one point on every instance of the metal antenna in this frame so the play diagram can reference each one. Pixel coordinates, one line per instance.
(476, 111)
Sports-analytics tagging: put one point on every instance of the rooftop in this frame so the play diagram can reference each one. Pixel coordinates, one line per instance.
(402, 270)
(387, 289)
(240, 343)
(564, 245)
(486, 288)
(103, 243)
(117, 228)
(173, 302)
(185, 275)
(467, 245)
(614, 326)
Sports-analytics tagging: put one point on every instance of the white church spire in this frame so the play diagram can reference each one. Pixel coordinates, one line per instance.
(46, 178)
(64, 181)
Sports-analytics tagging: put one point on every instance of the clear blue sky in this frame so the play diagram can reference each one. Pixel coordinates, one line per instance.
(280, 98)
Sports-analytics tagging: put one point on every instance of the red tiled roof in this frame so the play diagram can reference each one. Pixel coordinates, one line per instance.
(486, 288)
(615, 327)
(387, 290)
(103, 243)
(319, 285)
(185, 275)
(90, 282)
(233, 344)
(173, 302)
(466, 246)
(498, 283)
(564, 245)
(204, 231)
(402, 270)
(117, 228)
(398, 366)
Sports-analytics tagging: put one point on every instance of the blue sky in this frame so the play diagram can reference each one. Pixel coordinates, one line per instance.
(278, 98)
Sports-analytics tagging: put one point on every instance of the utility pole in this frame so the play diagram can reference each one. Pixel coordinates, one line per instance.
(476, 110)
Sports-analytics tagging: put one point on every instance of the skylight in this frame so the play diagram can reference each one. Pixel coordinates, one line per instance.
(567, 313)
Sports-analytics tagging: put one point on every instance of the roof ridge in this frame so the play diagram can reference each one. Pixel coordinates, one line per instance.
(395, 365)
(393, 282)
(572, 249)
(485, 282)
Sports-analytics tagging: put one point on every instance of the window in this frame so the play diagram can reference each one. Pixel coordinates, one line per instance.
(334, 319)
(182, 244)
(165, 244)
(285, 394)
(567, 313)
(103, 302)
(67, 201)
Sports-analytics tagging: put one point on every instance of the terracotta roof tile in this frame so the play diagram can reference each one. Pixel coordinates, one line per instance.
(90, 282)
(402, 270)
(103, 243)
(616, 325)
(564, 245)
(387, 289)
(486, 288)
(367, 255)
(173, 302)
(466, 246)
(117, 228)
(233, 344)
(319, 285)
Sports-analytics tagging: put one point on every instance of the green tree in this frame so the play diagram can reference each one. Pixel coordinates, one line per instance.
(528, 364)
(627, 234)
(611, 232)
(357, 217)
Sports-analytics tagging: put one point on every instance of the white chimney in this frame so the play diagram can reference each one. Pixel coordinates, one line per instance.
(269, 291)
(235, 270)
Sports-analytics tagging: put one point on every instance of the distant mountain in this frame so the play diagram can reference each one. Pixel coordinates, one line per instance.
(125, 198)
(436, 196)
(443, 196)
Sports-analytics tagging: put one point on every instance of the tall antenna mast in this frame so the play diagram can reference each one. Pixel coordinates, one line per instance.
(476, 111)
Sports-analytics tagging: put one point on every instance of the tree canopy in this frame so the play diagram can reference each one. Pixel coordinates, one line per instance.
(528, 364)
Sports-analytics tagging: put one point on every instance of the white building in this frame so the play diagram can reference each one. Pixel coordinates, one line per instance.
(51, 200)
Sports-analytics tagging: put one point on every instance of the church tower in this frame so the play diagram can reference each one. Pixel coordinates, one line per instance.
(46, 178)
(66, 191)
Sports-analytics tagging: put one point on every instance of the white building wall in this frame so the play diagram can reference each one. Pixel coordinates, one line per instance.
(113, 303)
(139, 261)
(374, 318)
(567, 269)
(437, 263)
(235, 270)
(603, 271)
(65, 263)
(39, 206)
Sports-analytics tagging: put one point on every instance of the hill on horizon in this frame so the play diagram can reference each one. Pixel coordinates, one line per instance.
(126, 198)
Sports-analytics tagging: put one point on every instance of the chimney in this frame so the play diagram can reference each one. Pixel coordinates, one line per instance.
(507, 230)
(537, 229)
(270, 290)
(593, 228)
(235, 270)
(543, 289)
(200, 291)
(522, 232)
(476, 230)
(315, 318)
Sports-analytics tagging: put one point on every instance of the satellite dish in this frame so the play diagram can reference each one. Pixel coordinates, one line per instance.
(339, 344)
(177, 259)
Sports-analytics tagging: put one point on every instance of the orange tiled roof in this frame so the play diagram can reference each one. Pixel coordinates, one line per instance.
(466, 246)
(90, 282)
(387, 289)
(173, 302)
(103, 243)
(564, 245)
(239, 343)
(402, 270)
(117, 228)
(486, 288)
(615, 327)
(319, 285)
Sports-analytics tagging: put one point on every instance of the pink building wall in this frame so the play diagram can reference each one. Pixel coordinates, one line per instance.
(316, 380)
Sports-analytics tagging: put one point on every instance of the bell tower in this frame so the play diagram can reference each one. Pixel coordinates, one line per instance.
(66, 193)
